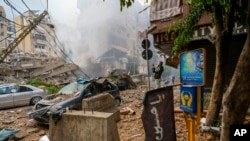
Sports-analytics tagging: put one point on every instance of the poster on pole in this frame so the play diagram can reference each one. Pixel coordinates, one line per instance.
(188, 99)
(193, 67)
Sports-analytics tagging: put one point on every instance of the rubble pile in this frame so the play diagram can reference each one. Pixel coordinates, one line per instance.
(22, 66)
(130, 126)
(17, 118)
(55, 98)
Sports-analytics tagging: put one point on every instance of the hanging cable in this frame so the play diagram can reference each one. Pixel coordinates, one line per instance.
(12, 34)
(10, 21)
(61, 50)
(63, 53)
(10, 5)
(60, 57)
(27, 6)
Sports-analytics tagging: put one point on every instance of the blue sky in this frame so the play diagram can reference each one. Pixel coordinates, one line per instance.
(61, 11)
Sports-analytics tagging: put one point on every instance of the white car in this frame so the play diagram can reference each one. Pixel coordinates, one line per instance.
(20, 95)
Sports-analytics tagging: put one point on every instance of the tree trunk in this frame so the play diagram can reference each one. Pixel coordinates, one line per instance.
(236, 100)
(219, 76)
(217, 89)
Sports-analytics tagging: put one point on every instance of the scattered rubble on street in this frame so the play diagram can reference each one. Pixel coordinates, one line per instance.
(130, 127)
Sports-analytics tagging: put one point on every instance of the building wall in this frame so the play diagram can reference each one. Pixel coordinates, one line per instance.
(3, 28)
(11, 33)
(164, 42)
(235, 48)
(38, 41)
(111, 27)
(20, 21)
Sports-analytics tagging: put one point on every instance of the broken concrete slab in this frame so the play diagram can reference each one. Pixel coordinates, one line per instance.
(32, 130)
(87, 126)
(102, 103)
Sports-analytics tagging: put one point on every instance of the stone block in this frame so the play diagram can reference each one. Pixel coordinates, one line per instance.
(102, 103)
(84, 126)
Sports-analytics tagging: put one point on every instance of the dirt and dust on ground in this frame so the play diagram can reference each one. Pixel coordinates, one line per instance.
(130, 127)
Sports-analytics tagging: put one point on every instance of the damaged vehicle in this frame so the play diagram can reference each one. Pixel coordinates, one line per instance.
(56, 104)
(122, 79)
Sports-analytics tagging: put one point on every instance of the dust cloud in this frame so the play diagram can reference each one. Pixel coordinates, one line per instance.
(100, 27)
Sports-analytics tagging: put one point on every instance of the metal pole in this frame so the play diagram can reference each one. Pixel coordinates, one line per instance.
(47, 5)
(147, 61)
(198, 118)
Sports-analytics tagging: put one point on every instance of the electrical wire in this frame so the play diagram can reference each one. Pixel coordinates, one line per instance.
(16, 5)
(13, 15)
(12, 34)
(57, 41)
(70, 58)
(55, 50)
(27, 6)
(42, 4)
(13, 7)
(10, 5)
(46, 30)
(57, 54)
(31, 10)
(63, 53)
(10, 20)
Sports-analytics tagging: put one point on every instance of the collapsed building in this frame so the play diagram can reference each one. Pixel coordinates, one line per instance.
(22, 66)
(112, 35)
(28, 51)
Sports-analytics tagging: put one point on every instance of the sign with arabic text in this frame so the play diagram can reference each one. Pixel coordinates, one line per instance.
(158, 115)
(193, 67)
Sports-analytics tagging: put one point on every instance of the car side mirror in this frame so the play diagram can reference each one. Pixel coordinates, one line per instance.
(13, 90)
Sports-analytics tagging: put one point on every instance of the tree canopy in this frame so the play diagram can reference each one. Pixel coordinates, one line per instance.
(127, 3)
(186, 26)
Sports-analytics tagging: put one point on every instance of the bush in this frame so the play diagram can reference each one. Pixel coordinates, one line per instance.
(50, 88)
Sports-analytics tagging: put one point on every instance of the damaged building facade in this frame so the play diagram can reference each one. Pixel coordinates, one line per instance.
(36, 55)
(113, 35)
(164, 14)
(7, 30)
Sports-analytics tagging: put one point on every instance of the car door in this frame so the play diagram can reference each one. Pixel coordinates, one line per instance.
(6, 97)
(22, 95)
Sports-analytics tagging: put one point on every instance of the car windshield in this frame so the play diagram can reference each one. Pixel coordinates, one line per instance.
(72, 88)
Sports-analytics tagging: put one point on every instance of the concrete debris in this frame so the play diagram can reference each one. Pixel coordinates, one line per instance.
(44, 138)
(123, 80)
(8, 121)
(137, 135)
(31, 123)
(25, 66)
(32, 130)
(129, 127)
(127, 110)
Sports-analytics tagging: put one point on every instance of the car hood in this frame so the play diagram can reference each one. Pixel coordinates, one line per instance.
(55, 98)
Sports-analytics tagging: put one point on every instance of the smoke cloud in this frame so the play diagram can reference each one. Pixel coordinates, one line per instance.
(101, 25)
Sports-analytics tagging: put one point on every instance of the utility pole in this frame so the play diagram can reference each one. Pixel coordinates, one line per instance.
(147, 60)
(48, 5)
(148, 52)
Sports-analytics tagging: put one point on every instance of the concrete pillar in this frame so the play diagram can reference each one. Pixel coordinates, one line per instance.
(102, 103)
(84, 126)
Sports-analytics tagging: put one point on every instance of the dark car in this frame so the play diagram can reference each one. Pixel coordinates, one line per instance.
(91, 88)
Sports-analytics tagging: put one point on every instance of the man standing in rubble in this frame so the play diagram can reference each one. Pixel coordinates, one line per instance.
(157, 74)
